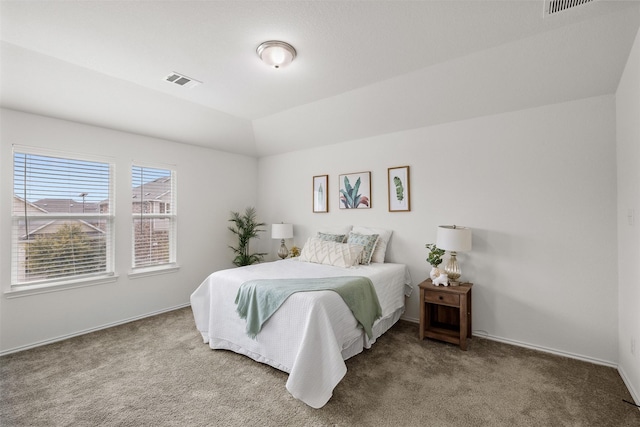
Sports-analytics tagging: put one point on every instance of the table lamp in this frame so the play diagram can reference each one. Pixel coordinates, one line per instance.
(454, 239)
(282, 231)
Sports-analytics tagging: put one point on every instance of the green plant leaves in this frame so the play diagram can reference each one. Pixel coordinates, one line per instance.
(350, 197)
(399, 188)
(246, 227)
(435, 254)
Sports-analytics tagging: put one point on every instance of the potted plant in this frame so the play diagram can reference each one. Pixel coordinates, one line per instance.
(246, 227)
(434, 258)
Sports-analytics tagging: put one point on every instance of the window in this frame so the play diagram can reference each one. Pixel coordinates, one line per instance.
(61, 218)
(154, 217)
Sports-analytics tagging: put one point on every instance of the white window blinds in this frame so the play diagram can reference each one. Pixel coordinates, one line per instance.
(154, 217)
(61, 218)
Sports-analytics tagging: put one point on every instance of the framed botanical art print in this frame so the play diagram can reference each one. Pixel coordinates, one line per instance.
(355, 190)
(321, 193)
(399, 195)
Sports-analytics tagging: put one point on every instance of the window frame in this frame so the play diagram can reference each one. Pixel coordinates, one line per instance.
(172, 264)
(18, 287)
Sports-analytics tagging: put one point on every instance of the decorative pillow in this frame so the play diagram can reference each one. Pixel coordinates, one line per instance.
(368, 242)
(381, 247)
(332, 237)
(331, 253)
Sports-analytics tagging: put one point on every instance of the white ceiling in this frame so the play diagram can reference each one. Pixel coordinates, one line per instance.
(363, 67)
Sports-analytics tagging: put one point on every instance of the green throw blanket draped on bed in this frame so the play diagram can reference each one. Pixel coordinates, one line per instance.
(257, 300)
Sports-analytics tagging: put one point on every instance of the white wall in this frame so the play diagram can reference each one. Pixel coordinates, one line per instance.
(628, 144)
(537, 186)
(209, 187)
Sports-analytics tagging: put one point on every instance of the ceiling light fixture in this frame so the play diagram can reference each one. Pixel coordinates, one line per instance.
(276, 54)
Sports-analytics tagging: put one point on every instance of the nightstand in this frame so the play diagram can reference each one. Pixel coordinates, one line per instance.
(445, 312)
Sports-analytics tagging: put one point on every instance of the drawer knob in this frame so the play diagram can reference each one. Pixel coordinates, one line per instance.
(440, 297)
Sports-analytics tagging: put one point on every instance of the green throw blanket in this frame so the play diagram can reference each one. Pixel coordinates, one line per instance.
(257, 300)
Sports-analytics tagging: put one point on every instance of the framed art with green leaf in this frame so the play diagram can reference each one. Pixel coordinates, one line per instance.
(321, 193)
(355, 190)
(399, 196)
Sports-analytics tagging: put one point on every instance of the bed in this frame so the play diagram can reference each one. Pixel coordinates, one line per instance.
(312, 333)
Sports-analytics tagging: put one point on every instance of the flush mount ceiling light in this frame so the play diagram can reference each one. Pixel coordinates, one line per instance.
(276, 54)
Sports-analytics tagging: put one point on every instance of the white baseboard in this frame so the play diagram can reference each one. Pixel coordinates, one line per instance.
(410, 319)
(483, 334)
(87, 331)
(548, 350)
(627, 382)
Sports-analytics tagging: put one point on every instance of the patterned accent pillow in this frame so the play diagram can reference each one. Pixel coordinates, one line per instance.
(381, 247)
(331, 253)
(332, 237)
(367, 241)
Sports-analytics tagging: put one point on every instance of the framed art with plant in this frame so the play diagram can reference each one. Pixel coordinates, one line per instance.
(398, 187)
(355, 190)
(321, 193)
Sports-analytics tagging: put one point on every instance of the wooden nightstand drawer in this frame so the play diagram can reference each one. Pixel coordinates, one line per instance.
(443, 298)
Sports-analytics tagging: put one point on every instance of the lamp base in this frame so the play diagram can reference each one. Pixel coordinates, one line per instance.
(453, 270)
(283, 252)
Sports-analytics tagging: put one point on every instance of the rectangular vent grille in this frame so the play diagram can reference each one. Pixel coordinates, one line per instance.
(555, 6)
(181, 80)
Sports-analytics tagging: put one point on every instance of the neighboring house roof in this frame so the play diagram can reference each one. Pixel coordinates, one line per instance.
(55, 206)
(66, 206)
(158, 189)
(55, 225)
(19, 205)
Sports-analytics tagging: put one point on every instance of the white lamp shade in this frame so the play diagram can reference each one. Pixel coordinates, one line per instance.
(281, 231)
(276, 54)
(453, 238)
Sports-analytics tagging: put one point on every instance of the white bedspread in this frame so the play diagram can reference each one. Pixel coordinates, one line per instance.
(311, 334)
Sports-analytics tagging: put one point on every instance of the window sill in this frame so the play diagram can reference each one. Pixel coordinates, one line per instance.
(153, 271)
(27, 290)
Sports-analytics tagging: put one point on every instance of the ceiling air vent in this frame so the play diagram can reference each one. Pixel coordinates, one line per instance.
(181, 80)
(554, 6)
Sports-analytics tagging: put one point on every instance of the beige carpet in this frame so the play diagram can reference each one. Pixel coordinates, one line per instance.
(157, 372)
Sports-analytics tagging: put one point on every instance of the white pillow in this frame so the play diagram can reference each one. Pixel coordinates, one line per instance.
(330, 253)
(381, 247)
